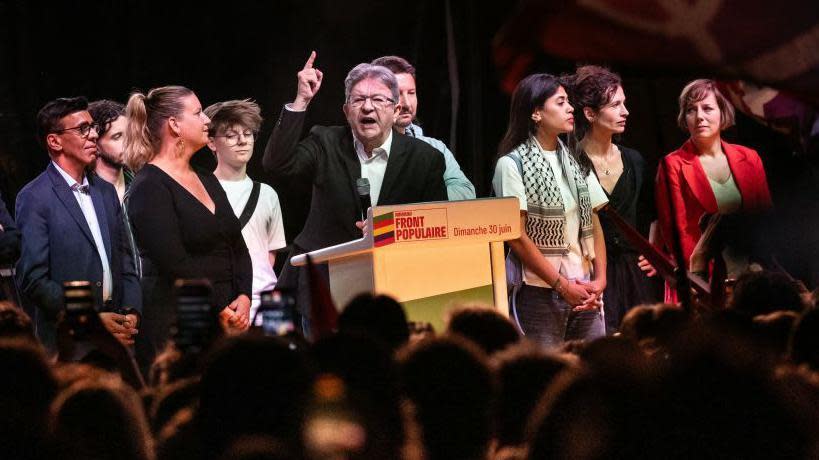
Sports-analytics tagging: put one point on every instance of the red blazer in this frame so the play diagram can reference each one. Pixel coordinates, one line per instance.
(682, 182)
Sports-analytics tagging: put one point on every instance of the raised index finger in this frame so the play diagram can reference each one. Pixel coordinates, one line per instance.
(309, 63)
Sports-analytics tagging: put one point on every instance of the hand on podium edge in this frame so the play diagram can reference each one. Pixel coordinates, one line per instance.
(362, 225)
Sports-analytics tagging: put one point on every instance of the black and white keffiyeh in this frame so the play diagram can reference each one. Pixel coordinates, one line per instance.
(546, 221)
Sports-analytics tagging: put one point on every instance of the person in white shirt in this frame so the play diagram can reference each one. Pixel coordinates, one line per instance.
(561, 249)
(232, 134)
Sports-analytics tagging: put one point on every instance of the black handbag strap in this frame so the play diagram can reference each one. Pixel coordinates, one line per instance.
(247, 213)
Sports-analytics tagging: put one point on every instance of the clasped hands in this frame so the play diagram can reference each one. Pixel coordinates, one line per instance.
(235, 318)
(582, 295)
(122, 327)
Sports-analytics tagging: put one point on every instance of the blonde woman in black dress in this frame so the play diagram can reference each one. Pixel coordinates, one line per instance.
(183, 223)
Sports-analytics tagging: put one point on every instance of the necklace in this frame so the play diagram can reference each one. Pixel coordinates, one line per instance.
(602, 163)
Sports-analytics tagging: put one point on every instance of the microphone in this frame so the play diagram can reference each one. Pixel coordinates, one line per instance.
(362, 184)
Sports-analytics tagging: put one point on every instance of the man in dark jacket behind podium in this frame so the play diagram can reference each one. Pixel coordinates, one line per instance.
(400, 169)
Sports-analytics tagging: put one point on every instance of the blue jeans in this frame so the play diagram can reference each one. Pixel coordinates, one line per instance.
(544, 317)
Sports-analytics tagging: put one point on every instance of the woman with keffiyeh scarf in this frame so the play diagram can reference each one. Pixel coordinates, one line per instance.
(561, 251)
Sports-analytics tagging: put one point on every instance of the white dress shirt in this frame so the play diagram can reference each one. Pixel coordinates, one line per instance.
(373, 167)
(87, 207)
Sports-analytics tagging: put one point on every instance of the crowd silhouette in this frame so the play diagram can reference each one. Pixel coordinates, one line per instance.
(742, 382)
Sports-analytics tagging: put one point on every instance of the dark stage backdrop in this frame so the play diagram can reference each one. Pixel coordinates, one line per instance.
(240, 49)
(105, 49)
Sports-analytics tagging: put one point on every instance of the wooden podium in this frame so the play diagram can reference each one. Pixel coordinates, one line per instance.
(427, 255)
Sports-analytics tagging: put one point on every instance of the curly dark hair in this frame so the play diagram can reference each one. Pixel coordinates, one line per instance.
(104, 112)
(593, 87)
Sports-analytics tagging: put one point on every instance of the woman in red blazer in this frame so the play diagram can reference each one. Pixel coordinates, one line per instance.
(706, 175)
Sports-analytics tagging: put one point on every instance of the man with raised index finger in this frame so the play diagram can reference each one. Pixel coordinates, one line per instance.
(400, 169)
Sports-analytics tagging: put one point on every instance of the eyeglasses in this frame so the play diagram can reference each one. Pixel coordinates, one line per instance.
(232, 137)
(83, 129)
(378, 101)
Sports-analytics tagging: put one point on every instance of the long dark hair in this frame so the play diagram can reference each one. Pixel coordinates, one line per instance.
(590, 86)
(530, 93)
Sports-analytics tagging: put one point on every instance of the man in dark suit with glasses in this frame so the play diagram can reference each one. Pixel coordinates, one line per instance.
(72, 228)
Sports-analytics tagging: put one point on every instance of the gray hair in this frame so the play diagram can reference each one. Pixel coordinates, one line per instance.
(364, 71)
